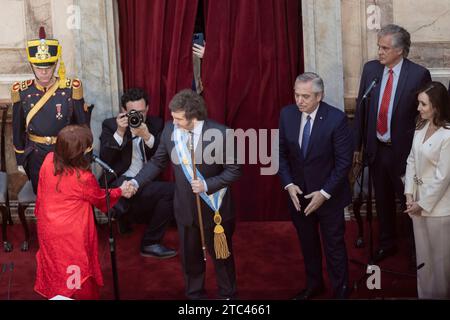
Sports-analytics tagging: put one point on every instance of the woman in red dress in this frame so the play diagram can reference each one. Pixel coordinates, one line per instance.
(67, 259)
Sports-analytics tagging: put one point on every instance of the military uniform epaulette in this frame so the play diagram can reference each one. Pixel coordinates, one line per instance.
(17, 87)
(77, 88)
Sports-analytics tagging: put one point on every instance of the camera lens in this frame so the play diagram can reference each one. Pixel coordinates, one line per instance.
(134, 122)
(135, 119)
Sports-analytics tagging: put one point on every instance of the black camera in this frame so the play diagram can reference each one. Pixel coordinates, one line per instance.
(135, 118)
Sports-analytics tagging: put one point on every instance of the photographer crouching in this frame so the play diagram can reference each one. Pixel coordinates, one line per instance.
(127, 142)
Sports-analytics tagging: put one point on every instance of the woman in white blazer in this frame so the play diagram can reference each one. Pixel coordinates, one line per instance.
(427, 191)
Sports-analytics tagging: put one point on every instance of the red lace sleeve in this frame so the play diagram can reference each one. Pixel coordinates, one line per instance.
(97, 196)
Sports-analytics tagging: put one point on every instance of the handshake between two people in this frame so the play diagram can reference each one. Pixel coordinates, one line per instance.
(128, 189)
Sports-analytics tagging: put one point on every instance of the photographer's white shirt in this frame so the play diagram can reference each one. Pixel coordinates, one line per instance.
(137, 162)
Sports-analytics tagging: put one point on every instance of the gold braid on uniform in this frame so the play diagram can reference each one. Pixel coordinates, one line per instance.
(61, 70)
(18, 151)
(220, 239)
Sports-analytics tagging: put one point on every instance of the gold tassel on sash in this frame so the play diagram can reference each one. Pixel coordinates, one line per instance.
(220, 239)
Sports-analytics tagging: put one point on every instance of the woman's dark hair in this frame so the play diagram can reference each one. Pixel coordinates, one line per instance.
(72, 150)
(134, 94)
(191, 103)
(440, 102)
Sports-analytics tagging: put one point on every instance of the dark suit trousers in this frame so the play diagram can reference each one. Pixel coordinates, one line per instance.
(388, 184)
(152, 205)
(332, 229)
(194, 266)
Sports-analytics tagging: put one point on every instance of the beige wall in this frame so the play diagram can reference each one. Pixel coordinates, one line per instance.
(427, 21)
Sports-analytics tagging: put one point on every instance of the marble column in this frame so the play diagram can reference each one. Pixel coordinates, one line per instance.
(429, 26)
(96, 48)
(322, 42)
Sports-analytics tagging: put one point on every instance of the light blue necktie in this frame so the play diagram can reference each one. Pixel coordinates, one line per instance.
(306, 135)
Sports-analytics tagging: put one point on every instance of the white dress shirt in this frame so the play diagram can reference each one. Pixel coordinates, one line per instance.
(197, 132)
(137, 162)
(396, 74)
(305, 115)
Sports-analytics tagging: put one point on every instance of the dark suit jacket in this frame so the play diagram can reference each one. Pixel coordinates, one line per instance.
(217, 176)
(329, 155)
(119, 156)
(403, 123)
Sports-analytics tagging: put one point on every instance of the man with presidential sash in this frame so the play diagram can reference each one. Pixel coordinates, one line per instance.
(202, 201)
(43, 106)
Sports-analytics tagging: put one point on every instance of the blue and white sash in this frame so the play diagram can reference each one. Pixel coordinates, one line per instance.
(181, 139)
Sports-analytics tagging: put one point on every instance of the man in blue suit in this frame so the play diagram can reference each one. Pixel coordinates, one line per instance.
(315, 159)
(391, 123)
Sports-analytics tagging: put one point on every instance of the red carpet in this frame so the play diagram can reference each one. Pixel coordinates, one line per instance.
(268, 260)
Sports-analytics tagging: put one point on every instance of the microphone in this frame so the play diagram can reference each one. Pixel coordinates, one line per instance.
(370, 88)
(103, 164)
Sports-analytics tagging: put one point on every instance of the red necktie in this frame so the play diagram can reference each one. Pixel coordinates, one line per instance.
(382, 123)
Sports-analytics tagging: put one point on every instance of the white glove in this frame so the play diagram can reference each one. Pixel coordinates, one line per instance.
(21, 169)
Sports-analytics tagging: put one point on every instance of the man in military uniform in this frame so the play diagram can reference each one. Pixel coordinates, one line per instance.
(43, 106)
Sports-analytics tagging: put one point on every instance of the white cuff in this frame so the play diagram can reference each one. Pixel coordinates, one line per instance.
(206, 187)
(290, 184)
(118, 138)
(136, 184)
(325, 194)
(150, 142)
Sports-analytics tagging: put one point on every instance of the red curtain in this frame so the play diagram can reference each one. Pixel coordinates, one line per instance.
(253, 54)
(155, 43)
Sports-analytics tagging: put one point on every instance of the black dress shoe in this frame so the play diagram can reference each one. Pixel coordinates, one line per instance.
(382, 254)
(309, 293)
(157, 251)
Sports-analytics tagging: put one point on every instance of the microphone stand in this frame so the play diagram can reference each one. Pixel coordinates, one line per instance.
(358, 202)
(359, 243)
(112, 242)
(11, 269)
(3, 270)
(363, 105)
